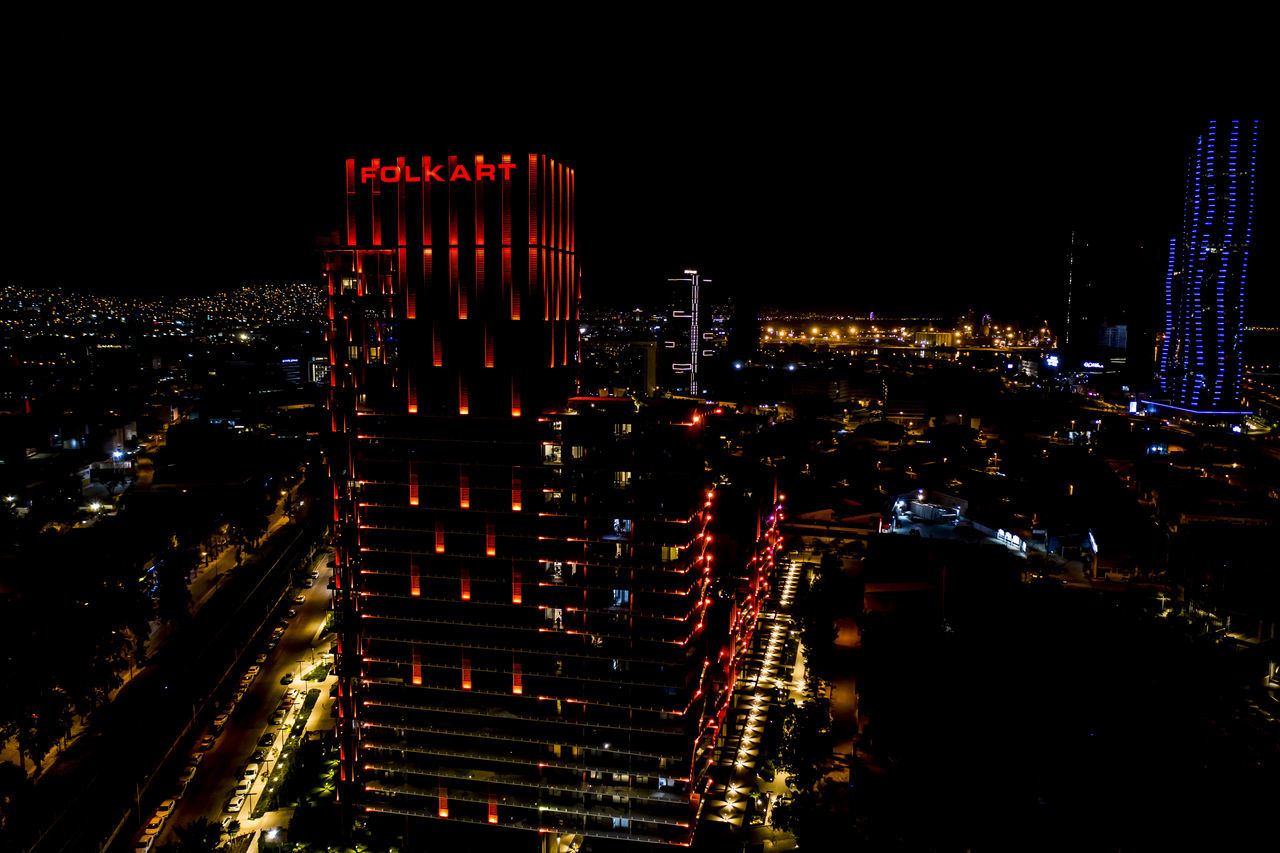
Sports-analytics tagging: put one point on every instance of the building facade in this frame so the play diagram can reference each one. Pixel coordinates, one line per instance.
(1201, 356)
(1080, 296)
(534, 633)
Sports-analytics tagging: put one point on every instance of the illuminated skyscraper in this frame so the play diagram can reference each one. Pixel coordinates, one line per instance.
(1079, 320)
(1201, 360)
(535, 632)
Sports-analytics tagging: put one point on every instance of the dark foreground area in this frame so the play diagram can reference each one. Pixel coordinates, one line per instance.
(1063, 720)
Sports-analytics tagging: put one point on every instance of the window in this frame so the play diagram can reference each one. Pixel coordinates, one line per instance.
(622, 526)
(622, 429)
(621, 597)
(577, 451)
(551, 454)
(621, 479)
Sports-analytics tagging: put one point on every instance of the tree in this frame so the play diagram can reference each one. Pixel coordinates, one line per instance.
(40, 726)
(807, 740)
(199, 836)
(139, 612)
(253, 524)
(175, 595)
(14, 788)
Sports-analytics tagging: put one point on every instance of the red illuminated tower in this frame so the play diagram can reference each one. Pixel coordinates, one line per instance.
(529, 638)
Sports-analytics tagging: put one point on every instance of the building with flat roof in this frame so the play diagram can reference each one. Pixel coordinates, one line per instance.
(538, 629)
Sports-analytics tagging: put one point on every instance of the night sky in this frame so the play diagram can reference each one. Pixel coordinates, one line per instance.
(930, 212)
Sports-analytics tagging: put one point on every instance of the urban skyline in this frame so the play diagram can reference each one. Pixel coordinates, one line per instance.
(1036, 191)
(624, 494)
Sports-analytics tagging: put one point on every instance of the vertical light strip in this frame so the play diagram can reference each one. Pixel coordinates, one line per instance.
(426, 203)
(400, 205)
(351, 200)
(455, 289)
(374, 196)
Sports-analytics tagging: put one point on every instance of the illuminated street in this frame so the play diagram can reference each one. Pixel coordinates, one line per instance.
(300, 648)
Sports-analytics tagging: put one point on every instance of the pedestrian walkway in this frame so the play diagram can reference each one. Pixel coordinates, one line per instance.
(763, 683)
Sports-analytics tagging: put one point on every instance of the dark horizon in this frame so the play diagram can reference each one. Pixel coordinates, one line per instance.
(924, 214)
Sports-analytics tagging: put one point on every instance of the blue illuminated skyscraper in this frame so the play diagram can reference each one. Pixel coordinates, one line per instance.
(1202, 345)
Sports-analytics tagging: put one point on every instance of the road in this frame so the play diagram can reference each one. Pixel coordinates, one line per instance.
(93, 785)
(299, 650)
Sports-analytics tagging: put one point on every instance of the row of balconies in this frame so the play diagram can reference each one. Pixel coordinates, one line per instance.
(620, 722)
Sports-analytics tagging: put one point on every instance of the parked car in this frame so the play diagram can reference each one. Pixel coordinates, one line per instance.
(288, 678)
(242, 787)
(253, 671)
(277, 718)
(258, 755)
(266, 740)
(187, 774)
(293, 611)
(143, 843)
(205, 744)
(153, 826)
(166, 808)
(234, 804)
(250, 771)
(300, 598)
(260, 659)
(220, 721)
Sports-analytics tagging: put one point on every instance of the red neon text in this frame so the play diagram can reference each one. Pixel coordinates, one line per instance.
(395, 174)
